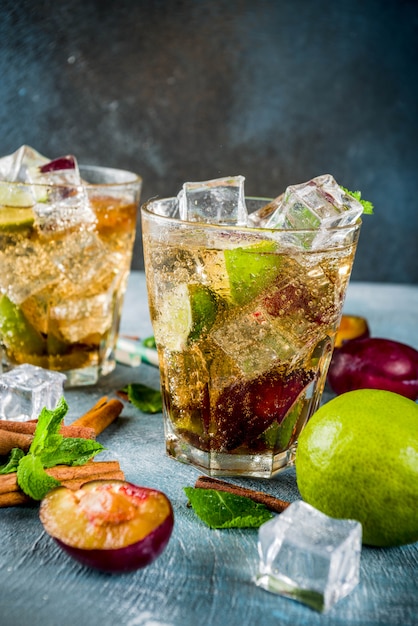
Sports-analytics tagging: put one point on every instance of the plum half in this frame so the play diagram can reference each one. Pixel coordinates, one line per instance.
(110, 525)
(375, 363)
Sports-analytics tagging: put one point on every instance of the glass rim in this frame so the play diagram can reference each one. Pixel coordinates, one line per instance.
(131, 178)
(239, 228)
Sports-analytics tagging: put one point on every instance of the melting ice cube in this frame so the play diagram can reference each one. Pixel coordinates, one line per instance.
(26, 390)
(218, 201)
(309, 556)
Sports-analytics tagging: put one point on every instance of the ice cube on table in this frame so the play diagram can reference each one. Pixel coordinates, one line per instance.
(26, 390)
(318, 203)
(308, 556)
(217, 201)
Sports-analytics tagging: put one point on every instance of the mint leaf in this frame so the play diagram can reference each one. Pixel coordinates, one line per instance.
(12, 462)
(145, 398)
(54, 449)
(33, 479)
(149, 342)
(46, 435)
(49, 449)
(219, 509)
(367, 205)
(71, 451)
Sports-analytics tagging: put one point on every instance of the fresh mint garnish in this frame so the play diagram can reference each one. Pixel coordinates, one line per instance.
(144, 398)
(71, 451)
(219, 509)
(48, 449)
(12, 462)
(46, 435)
(33, 479)
(367, 205)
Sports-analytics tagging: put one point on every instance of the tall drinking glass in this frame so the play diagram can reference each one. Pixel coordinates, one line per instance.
(65, 256)
(244, 321)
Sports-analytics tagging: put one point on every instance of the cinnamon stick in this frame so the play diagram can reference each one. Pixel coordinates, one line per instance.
(28, 428)
(272, 503)
(20, 435)
(92, 423)
(101, 415)
(69, 476)
(10, 439)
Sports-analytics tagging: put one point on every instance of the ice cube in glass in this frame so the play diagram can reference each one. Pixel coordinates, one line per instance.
(218, 201)
(320, 202)
(21, 165)
(308, 556)
(27, 389)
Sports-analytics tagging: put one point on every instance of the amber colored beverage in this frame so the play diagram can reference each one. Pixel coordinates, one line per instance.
(245, 326)
(62, 284)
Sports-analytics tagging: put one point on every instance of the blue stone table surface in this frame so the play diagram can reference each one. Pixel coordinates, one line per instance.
(204, 576)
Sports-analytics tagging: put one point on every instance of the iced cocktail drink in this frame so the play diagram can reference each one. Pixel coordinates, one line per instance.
(244, 315)
(66, 240)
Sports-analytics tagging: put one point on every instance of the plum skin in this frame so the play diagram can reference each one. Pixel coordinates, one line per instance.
(375, 363)
(125, 558)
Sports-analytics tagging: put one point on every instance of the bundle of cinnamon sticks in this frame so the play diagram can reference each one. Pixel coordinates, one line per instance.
(20, 435)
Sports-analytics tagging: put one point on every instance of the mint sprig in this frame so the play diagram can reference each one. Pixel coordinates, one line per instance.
(219, 509)
(33, 479)
(366, 204)
(48, 449)
(12, 462)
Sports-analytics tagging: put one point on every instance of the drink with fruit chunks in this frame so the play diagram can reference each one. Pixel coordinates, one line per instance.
(65, 254)
(244, 321)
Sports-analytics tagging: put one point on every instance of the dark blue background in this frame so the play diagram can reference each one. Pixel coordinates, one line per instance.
(190, 90)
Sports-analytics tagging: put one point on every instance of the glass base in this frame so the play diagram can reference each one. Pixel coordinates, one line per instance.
(78, 377)
(90, 375)
(257, 465)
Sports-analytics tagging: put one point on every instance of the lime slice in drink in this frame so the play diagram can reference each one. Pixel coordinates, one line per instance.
(13, 195)
(188, 311)
(15, 218)
(251, 269)
(17, 334)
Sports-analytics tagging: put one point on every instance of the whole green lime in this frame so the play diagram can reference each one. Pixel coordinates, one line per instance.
(357, 459)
